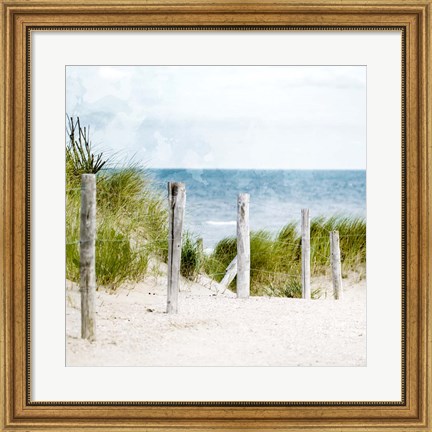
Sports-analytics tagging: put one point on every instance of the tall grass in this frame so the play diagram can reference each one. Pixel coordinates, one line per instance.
(352, 233)
(192, 257)
(276, 259)
(127, 199)
(117, 260)
(130, 217)
(131, 226)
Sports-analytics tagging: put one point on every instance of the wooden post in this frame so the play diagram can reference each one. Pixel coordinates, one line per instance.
(305, 228)
(243, 246)
(230, 274)
(87, 256)
(176, 208)
(336, 264)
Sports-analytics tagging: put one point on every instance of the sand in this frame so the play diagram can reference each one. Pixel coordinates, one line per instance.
(216, 329)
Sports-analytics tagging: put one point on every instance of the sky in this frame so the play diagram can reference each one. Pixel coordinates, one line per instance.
(246, 117)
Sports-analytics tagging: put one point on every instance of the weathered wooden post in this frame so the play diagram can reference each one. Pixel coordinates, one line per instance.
(305, 229)
(243, 246)
(230, 274)
(87, 256)
(336, 264)
(176, 208)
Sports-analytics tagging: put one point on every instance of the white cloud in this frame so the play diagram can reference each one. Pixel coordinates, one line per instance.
(270, 117)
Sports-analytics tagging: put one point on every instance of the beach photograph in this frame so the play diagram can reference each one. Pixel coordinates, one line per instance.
(215, 216)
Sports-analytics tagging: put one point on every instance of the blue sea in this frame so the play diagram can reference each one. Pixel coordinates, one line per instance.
(276, 197)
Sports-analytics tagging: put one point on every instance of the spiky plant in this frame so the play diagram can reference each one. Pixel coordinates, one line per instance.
(80, 158)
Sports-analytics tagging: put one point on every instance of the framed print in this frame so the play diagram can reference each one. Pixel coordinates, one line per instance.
(214, 177)
(215, 216)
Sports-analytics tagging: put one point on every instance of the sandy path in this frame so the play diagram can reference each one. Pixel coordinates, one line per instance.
(218, 330)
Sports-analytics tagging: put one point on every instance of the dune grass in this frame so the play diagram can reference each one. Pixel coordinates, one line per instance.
(276, 259)
(192, 256)
(352, 234)
(131, 218)
(131, 226)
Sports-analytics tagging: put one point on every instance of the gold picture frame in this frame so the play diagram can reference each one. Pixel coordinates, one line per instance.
(18, 412)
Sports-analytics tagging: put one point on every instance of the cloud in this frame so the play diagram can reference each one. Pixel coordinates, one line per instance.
(284, 116)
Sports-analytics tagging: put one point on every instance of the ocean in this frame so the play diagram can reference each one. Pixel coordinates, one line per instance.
(276, 197)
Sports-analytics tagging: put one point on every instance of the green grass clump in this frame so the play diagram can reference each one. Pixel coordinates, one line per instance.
(73, 199)
(130, 217)
(352, 234)
(269, 257)
(126, 196)
(131, 225)
(116, 260)
(192, 257)
(215, 264)
(276, 259)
